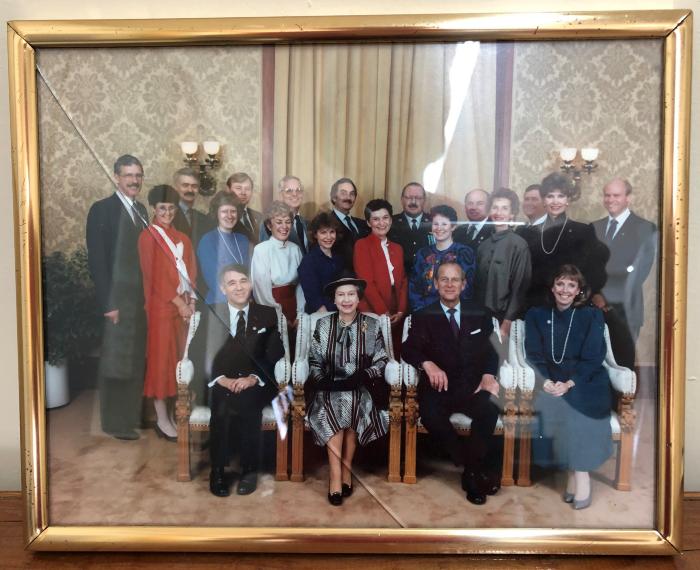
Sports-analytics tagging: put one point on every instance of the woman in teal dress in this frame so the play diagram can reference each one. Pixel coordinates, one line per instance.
(565, 343)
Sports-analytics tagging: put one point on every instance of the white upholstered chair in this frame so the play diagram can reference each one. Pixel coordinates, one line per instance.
(195, 418)
(462, 424)
(299, 375)
(622, 416)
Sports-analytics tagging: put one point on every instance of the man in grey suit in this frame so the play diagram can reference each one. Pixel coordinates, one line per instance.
(291, 192)
(113, 228)
(632, 243)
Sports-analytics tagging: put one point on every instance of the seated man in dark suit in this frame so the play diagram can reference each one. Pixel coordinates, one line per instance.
(411, 228)
(449, 342)
(239, 342)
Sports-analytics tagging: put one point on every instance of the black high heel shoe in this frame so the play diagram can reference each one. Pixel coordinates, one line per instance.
(335, 499)
(346, 490)
(162, 434)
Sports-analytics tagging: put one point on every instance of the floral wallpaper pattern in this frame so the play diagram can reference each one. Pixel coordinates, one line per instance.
(142, 102)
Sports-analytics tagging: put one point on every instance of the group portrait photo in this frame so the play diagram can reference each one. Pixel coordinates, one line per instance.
(352, 285)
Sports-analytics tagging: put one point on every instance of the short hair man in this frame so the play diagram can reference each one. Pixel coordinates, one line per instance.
(632, 243)
(411, 228)
(449, 342)
(478, 228)
(343, 196)
(533, 205)
(112, 231)
(238, 344)
(241, 185)
(291, 193)
(190, 221)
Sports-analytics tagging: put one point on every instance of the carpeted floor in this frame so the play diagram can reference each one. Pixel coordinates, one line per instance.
(97, 480)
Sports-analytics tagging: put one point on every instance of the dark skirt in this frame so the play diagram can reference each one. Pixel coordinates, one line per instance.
(566, 438)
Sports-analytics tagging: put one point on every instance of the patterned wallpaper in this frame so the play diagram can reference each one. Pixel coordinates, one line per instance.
(142, 102)
(604, 94)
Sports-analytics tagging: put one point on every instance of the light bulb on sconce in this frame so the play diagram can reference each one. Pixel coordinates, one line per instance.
(207, 184)
(575, 169)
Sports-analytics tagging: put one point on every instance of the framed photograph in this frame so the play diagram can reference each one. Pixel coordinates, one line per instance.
(110, 117)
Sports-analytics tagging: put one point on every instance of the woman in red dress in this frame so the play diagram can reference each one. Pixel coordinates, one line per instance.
(169, 268)
(379, 262)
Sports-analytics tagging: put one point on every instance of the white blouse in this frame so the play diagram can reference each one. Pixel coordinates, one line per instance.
(274, 264)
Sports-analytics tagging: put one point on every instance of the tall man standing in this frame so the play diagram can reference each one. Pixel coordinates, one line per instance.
(113, 228)
(476, 204)
(190, 221)
(291, 192)
(411, 228)
(632, 244)
(343, 197)
(241, 185)
(449, 342)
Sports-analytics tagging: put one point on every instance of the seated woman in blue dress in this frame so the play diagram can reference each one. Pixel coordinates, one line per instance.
(320, 265)
(565, 343)
(346, 356)
(222, 246)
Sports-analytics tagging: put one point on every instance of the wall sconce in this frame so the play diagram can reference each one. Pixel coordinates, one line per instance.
(576, 168)
(207, 183)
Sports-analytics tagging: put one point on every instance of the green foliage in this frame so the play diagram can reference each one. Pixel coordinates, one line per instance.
(71, 323)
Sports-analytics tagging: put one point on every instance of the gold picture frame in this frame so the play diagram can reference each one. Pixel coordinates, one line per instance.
(674, 27)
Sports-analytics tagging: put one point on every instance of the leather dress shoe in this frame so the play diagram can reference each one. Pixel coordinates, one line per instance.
(346, 490)
(491, 482)
(126, 435)
(335, 499)
(218, 484)
(248, 483)
(472, 483)
(163, 435)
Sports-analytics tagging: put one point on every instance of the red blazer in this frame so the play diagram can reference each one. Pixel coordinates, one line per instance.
(370, 265)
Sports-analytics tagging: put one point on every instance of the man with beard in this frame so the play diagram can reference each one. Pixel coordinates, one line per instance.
(113, 228)
(188, 220)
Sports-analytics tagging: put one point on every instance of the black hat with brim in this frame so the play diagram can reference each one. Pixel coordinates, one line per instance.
(329, 290)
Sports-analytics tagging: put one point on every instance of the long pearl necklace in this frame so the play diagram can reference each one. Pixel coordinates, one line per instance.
(223, 239)
(556, 243)
(566, 340)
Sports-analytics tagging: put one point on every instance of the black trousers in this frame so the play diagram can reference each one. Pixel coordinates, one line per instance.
(479, 451)
(623, 337)
(120, 403)
(240, 416)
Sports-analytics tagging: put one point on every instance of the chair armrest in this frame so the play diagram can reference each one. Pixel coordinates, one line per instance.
(392, 373)
(300, 371)
(184, 372)
(622, 379)
(507, 377)
(409, 375)
(283, 370)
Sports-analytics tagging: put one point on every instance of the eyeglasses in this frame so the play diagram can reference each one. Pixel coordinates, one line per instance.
(292, 191)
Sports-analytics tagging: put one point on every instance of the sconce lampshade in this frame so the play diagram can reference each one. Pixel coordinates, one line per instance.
(211, 147)
(189, 147)
(589, 154)
(567, 154)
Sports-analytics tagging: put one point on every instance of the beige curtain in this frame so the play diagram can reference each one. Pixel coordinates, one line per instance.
(385, 115)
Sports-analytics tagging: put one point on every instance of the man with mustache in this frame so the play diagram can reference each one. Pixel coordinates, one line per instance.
(343, 196)
(188, 220)
(113, 228)
(411, 228)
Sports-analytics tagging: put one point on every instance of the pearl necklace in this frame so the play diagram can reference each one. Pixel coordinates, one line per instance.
(556, 243)
(223, 240)
(566, 340)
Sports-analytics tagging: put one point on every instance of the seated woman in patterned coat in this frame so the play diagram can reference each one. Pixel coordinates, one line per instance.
(346, 356)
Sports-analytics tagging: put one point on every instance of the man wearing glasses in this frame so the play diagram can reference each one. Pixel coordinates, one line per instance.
(113, 228)
(291, 192)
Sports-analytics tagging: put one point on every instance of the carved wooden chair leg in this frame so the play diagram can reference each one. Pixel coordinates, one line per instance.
(409, 470)
(395, 420)
(627, 418)
(524, 457)
(281, 473)
(298, 414)
(509, 423)
(183, 408)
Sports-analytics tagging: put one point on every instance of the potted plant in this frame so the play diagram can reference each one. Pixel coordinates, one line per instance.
(71, 323)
